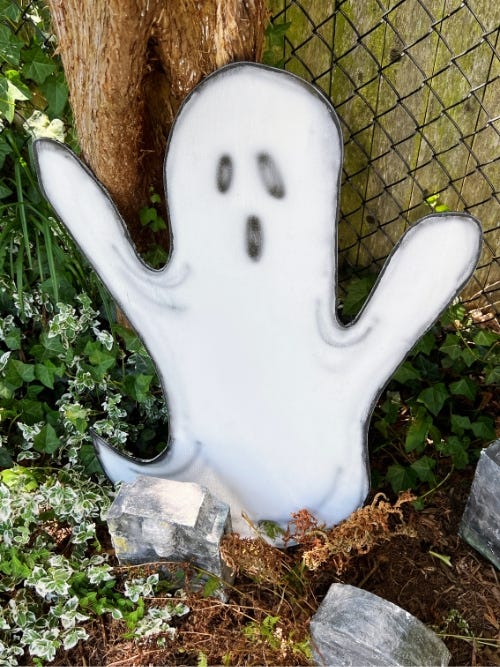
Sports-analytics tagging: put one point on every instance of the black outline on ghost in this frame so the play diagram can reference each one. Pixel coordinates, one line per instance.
(330, 313)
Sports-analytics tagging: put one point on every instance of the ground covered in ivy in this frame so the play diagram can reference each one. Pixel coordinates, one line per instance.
(64, 599)
(411, 557)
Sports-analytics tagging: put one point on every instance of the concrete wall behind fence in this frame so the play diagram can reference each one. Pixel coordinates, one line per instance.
(416, 84)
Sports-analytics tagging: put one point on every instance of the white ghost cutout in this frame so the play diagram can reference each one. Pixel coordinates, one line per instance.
(269, 395)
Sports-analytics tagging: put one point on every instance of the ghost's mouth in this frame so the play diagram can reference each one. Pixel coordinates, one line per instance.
(254, 238)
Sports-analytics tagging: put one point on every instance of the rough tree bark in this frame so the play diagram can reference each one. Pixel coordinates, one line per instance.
(129, 64)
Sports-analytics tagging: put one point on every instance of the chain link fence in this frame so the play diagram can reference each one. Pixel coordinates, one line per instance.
(416, 85)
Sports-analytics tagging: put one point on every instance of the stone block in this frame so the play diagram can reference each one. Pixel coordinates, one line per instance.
(480, 525)
(355, 627)
(155, 519)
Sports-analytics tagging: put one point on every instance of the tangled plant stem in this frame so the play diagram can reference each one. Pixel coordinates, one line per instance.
(364, 529)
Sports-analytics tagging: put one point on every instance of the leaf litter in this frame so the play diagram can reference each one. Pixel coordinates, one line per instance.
(413, 558)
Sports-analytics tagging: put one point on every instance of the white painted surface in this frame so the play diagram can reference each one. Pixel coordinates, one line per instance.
(269, 395)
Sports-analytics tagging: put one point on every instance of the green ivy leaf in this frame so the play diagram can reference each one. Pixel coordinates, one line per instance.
(429, 370)
(486, 338)
(12, 565)
(19, 477)
(52, 345)
(418, 430)
(464, 387)
(273, 57)
(434, 397)
(424, 468)
(276, 31)
(468, 356)
(147, 215)
(7, 389)
(493, 375)
(391, 407)
(459, 424)
(89, 460)
(17, 372)
(55, 91)
(401, 478)
(38, 66)
(484, 428)
(425, 345)
(10, 10)
(406, 373)
(456, 311)
(156, 256)
(77, 416)
(32, 411)
(14, 77)
(45, 373)
(9, 94)
(10, 45)
(47, 440)
(132, 341)
(13, 339)
(133, 617)
(149, 218)
(452, 346)
(137, 386)
(456, 448)
(99, 357)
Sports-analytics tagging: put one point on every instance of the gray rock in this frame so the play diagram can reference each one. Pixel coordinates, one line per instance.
(155, 519)
(355, 627)
(480, 525)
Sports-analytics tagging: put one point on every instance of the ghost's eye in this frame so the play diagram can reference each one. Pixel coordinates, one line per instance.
(270, 175)
(224, 173)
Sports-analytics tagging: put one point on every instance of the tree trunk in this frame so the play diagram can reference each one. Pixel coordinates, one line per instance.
(129, 64)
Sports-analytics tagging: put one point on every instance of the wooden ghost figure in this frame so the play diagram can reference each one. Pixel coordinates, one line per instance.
(269, 395)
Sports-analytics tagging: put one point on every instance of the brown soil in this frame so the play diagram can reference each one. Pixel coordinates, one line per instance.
(406, 563)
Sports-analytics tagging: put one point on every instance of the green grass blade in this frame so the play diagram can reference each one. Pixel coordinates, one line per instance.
(49, 241)
(39, 259)
(22, 212)
(19, 272)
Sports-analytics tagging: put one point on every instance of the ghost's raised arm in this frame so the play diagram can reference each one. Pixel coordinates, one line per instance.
(425, 271)
(93, 221)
